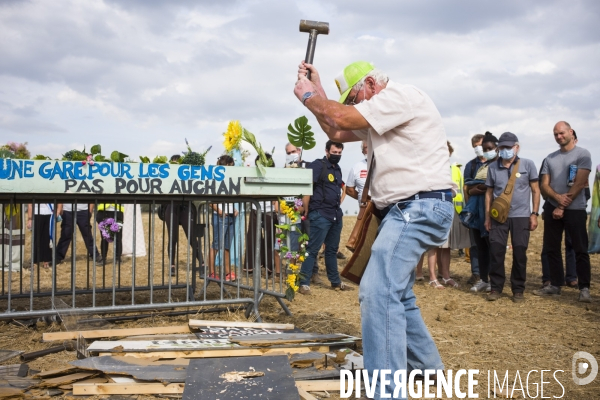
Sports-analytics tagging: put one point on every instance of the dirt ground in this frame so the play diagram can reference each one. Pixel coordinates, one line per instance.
(470, 332)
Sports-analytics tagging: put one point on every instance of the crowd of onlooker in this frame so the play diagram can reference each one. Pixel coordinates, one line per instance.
(496, 172)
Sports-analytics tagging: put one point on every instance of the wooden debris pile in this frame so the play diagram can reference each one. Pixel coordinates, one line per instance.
(229, 360)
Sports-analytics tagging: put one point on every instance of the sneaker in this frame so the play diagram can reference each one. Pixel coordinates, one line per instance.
(230, 277)
(304, 289)
(481, 286)
(545, 283)
(473, 279)
(493, 296)
(315, 279)
(342, 286)
(547, 291)
(584, 295)
(340, 256)
(518, 298)
(573, 285)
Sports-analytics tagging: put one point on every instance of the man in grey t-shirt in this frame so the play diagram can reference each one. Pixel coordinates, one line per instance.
(521, 220)
(565, 175)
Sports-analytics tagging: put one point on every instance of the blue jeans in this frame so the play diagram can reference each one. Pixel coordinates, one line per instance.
(474, 254)
(394, 334)
(322, 231)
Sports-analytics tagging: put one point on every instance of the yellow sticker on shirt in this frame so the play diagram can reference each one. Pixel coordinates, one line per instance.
(331, 178)
(518, 174)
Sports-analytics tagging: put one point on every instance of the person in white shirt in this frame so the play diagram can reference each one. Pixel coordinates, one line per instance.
(358, 175)
(43, 230)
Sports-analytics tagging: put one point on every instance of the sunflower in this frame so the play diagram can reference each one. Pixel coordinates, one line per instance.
(233, 136)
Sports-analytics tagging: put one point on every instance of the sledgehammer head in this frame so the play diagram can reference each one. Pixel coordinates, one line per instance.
(314, 28)
(322, 28)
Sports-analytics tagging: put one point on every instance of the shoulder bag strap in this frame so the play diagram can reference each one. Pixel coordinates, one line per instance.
(511, 181)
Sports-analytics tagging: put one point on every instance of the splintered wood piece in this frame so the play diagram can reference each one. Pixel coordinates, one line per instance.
(286, 338)
(205, 379)
(14, 370)
(237, 376)
(8, 354)
(197, 323)
(54, 372)
(18, 382)
(312, 359)
(311, 373)
(105, 333)
(11, 392)
(87, 389)
(93, 380)
(145, 369)
(305, 395)
(65, 380)
(224, 353)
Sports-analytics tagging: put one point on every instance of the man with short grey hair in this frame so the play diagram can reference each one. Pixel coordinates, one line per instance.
(565, 175)
(521, 220)
(404, 133)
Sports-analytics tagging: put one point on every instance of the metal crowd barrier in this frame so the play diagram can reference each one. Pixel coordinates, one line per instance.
(90, 285)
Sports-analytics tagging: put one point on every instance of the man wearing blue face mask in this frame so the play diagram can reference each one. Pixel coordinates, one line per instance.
(521, 219)
(325, 215)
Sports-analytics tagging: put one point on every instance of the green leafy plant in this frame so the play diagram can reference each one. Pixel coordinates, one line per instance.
(118, 157)
(193, 158)
(160, 160)
(300, 135)
(96, 149)
(6, 154)
(41, 157)
(75, 155)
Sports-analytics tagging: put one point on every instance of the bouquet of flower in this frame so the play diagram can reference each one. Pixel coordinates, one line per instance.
(293, 258)
(235, 134)
(109, 227)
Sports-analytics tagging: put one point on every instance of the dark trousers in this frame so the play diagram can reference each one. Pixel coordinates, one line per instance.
(574, 222)
(67, 231)
(100, 216)
(267, 240)
(571, 271)
(474, 253)
(179, 214)
(519, 234)
(41, 242)
(482, 244)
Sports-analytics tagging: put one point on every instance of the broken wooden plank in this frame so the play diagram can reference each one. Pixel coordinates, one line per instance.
(106, 333)
(8, 354)
(150, 346)
(66, 379)
(10, 392)
(147, 370)
(92, 380)
(305, 360)
(18, 382)
(304, 395)
(14, 370)
(347, 359)
(85, 389)
(69, 369)
(224, 353)
(319, 386)
(313, 373)
(207, 379)
(287, 338)
(197, 323)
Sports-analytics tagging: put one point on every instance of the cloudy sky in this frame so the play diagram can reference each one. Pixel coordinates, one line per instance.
(140, 76)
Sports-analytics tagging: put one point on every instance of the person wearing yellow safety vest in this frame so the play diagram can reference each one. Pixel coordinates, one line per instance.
(459, 235)
(111, 210)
